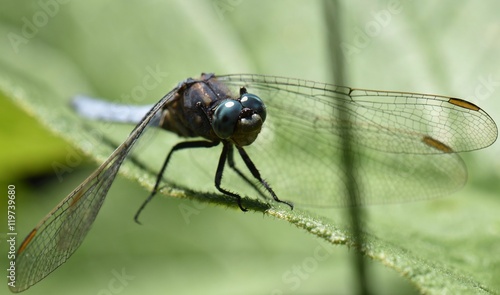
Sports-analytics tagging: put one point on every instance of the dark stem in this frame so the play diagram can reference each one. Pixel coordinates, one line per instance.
(334, 23)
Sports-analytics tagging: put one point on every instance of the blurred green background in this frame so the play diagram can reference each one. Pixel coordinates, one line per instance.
(106, 48)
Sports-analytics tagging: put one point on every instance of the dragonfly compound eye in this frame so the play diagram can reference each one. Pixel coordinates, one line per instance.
(254, 103)
(226, 117)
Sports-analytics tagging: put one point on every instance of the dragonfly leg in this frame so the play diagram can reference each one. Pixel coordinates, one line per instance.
(218, 175)
(230, 161)
(256, 174)
(179, 146)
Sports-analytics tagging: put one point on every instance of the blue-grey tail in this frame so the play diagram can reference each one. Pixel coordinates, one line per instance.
(99, 109)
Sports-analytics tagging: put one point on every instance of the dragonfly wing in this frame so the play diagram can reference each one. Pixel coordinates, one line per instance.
(405, 143)
(390, 121)
(63, 230)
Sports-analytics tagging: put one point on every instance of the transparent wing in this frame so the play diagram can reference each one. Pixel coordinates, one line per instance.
(62, 231)
(405, 142)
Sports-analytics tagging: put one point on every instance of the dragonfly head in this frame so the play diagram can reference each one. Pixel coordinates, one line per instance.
(239, 121)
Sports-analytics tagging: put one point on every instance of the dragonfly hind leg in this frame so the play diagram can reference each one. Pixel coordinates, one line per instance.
(179, 146)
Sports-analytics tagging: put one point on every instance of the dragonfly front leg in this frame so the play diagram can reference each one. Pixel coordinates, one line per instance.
(232, 164)
(218, 175)
(256, 174)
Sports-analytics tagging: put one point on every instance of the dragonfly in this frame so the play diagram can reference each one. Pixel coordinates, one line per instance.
(288, 134)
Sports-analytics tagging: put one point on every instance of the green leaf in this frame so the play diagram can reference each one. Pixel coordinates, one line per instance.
(52, 51)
